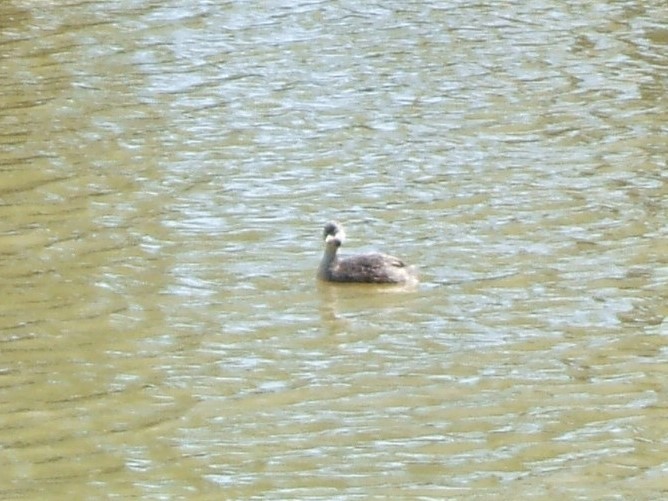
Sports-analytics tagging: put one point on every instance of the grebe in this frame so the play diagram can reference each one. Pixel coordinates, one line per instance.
(367, 268)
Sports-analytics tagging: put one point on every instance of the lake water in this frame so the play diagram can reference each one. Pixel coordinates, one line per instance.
(165, 172)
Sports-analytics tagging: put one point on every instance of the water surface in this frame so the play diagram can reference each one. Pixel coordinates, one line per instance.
(165, 173)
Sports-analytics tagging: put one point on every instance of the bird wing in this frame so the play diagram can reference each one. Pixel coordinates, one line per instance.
(371, 266)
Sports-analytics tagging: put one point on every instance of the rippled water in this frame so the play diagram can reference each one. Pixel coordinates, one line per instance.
(166, 170)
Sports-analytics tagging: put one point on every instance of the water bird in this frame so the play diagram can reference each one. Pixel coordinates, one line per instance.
(375, 268)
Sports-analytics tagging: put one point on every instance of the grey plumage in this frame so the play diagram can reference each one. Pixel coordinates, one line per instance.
(365, 268)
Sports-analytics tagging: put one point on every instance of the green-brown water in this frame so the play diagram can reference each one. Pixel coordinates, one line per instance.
(165, 172)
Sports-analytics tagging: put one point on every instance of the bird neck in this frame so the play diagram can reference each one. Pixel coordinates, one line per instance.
(328, 259)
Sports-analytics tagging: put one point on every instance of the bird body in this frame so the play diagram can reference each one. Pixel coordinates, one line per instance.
(364, 268)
